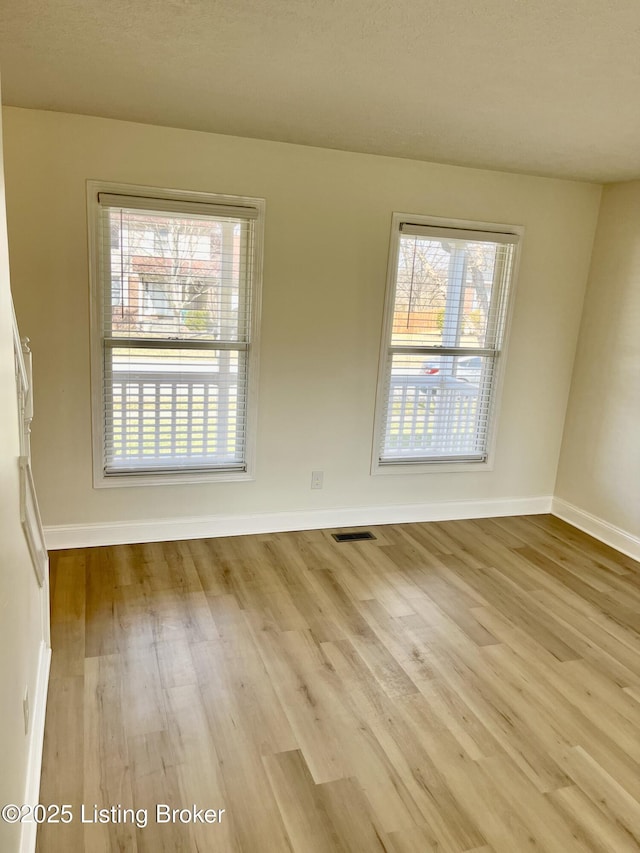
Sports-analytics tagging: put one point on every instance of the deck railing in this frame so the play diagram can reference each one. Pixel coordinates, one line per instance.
(427, 418)
(163, 418)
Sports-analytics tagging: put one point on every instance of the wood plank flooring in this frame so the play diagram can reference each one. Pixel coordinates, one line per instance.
(459, 687)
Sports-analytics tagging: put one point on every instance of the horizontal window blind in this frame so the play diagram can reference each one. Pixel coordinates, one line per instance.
(448, 308)
(176, 307)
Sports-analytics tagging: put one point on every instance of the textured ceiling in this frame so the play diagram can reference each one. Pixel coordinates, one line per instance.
(547, 87)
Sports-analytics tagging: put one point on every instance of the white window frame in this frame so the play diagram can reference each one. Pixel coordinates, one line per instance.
(434, 466)
(155, 195)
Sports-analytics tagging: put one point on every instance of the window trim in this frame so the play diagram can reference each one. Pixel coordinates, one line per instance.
(401, 467)
(157, 196)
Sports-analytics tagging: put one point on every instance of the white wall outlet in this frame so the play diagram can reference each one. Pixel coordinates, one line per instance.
(25, 710)
(316, 479)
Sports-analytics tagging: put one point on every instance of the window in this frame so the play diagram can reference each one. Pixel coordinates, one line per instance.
(444, 329)
(175, 298)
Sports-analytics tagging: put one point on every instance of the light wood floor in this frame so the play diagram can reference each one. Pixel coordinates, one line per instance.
(462, 686)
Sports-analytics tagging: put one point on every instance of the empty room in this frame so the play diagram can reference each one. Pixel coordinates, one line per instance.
(320, 406)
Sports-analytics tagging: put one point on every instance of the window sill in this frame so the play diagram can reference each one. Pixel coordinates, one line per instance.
(178, 478)
(399, 469)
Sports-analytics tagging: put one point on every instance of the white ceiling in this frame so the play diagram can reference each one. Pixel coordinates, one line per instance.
(547, 87)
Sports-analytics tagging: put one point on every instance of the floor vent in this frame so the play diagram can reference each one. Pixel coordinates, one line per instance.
(353, 537)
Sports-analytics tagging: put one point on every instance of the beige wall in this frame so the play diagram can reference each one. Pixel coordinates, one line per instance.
(20, 614)
(600, 463)
(327, 236)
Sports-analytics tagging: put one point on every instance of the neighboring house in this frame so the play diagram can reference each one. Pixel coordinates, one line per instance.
(168, 270)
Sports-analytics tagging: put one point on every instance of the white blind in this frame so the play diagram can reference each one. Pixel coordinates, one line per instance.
(448, 314)
(176, 318)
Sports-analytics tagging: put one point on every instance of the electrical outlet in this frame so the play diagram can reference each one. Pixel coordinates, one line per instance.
(25, 710)
(316, 479)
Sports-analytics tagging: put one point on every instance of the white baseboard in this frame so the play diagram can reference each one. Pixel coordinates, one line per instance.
(36, 741)
(168, 529)
(600, 529)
